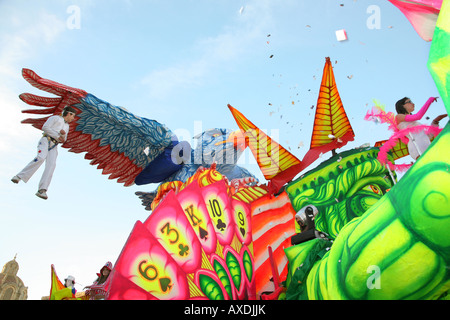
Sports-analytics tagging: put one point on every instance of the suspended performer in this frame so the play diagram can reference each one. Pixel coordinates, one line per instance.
(55, 131)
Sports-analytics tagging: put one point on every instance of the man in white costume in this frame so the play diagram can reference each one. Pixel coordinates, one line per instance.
(55, 131)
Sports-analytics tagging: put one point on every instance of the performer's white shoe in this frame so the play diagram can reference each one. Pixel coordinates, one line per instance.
(42, 194)
(15, 179)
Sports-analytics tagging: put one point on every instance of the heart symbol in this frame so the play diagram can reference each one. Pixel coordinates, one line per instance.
(242, 231)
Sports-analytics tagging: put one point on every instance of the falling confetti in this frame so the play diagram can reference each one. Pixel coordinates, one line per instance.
(241, 10)
(341, 35)
(271, 56)
(350, 76)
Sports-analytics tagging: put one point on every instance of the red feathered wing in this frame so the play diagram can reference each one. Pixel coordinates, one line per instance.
(112, 138)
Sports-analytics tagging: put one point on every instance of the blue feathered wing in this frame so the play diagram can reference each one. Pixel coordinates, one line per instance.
(121, 144)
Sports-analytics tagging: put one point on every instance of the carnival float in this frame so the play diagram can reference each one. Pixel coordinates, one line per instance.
(215, 232)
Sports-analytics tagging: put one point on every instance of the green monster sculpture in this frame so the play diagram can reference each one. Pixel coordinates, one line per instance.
(398, 249)
(341, 188)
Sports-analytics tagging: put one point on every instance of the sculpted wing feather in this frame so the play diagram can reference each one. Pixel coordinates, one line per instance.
(118, 142)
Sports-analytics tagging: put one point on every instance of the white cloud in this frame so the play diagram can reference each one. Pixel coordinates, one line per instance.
(225, 49)
(162, 82)
(27, 37)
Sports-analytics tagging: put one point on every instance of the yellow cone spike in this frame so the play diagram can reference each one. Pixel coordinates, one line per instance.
(274, 160)
(332, 129)
(331, 122)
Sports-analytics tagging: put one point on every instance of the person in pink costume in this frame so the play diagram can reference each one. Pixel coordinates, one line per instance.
(98, 289)
(418, 140)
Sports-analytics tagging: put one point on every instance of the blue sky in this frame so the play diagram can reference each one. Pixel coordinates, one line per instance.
(181, 63)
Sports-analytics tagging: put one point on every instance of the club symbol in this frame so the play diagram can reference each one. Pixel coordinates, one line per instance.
(183, 250)
(221, 225)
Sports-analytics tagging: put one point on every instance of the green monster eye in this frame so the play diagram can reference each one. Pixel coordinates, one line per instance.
(373, 188)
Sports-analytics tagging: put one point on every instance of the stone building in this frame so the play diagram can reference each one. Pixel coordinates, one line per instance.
(11, 286)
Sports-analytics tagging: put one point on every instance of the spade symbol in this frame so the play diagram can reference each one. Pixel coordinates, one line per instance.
(203, 233)
(165, 284)
(220, 225)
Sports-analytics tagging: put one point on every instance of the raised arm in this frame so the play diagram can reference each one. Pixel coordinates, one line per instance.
(399, 118)
(421, 113)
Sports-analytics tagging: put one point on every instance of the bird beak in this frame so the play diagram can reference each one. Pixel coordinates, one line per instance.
(239, 140)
